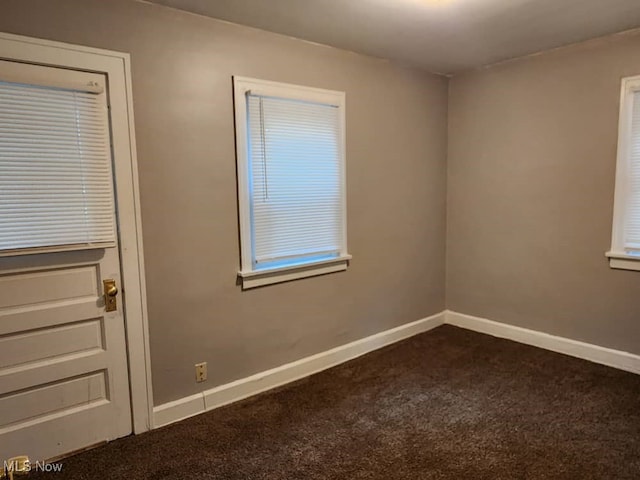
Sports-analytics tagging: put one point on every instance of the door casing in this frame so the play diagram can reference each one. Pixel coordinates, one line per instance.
(117, 67)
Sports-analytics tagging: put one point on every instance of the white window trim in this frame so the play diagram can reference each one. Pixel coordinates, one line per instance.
(252, 278)
(618, 257)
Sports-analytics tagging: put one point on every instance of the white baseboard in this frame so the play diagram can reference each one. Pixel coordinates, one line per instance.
(178, 410)
(232, 392)
(594, 353)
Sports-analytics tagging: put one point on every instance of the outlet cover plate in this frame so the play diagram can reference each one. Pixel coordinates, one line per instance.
(201, 372)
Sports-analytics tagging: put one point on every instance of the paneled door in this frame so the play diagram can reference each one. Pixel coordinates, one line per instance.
(63, 369)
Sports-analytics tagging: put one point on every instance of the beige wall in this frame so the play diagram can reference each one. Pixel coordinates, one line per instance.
(396, 156)
(532, 153)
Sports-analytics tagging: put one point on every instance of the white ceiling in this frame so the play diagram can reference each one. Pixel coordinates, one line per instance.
(445, 36)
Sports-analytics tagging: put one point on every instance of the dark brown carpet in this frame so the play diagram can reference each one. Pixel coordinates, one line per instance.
(448, 404)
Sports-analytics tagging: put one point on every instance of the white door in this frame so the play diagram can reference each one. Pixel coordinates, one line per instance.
(63, 368)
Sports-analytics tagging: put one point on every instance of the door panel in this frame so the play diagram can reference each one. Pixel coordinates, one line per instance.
(47, 286)
(57, 397)
(63, 372)
(46, 343)
(63, 367)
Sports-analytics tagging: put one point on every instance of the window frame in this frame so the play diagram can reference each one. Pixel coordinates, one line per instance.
(250, 276)
(618, 257)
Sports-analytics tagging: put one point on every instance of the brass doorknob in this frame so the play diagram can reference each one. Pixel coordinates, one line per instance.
(112, 290)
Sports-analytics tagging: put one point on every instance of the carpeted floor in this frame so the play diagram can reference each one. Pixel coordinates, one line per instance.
(447, 404)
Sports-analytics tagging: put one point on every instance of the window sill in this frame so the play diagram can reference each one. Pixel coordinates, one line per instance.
(260, 278)
(623, 261)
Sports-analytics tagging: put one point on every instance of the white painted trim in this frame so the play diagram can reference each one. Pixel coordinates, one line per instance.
(290, 372)
(258, 278)
(267, 88)
(622, 200)
(624, 261)
(586, 351)
(624, 264)
(242, 168)
(177, 410)
(117, 67)
(138, 330)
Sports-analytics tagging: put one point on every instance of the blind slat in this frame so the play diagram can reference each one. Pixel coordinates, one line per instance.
(296, 179)
(632, 214)
(55, 168)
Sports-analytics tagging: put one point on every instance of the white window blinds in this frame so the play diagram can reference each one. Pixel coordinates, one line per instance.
(296, 190)
(55, 169)
(632, 216)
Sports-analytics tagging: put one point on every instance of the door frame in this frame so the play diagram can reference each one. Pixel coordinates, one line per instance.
(117, 67)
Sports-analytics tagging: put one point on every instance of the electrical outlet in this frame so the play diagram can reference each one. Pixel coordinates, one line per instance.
(201, 372)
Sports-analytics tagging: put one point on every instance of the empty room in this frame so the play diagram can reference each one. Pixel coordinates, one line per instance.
(320, 239)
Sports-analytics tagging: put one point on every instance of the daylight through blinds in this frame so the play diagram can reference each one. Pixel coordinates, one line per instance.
(632, 220)
(55, 168)
(296, 180)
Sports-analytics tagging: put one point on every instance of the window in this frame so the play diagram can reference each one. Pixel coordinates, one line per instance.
(56, 188)
(625, 250)
(291, 177)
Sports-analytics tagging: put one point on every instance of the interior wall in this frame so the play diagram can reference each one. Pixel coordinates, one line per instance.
(396, 181)
(531, 173)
